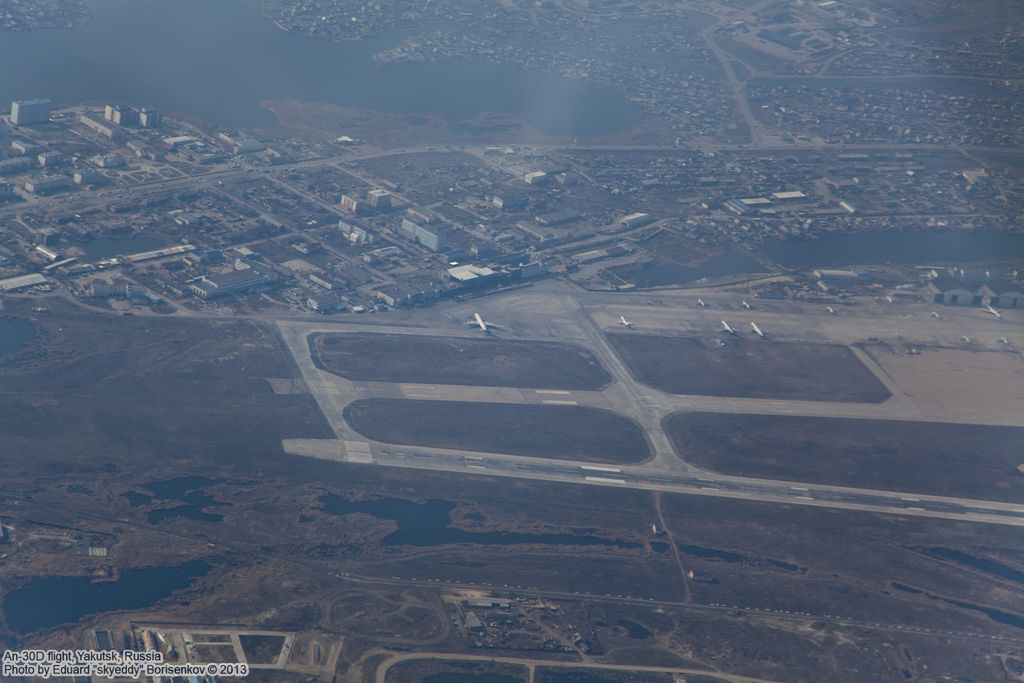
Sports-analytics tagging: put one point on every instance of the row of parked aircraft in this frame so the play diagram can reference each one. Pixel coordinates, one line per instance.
(726, 327)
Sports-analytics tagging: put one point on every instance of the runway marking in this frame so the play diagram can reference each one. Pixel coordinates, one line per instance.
(605, 480)
(911, 500)
(600, 468)
(915, 509)
(476, 467)
(552, 402)
(799, 488)
(559, 392)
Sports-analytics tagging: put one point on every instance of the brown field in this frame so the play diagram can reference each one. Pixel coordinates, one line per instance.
(749, 368)
(453, 360)
(543, 431)
(972, 461)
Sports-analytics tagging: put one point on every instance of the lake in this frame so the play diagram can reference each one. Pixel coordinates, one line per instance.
(45, 603)
(187, 490)
(899, 247)
(729, 263)
(106, 247)
(14, 333)
(219, 59)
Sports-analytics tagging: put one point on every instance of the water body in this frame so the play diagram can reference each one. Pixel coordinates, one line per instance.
(219, 59)
(428, 523)
(902, 247)
(998, 616)
(711, 553)
(106, 247)
(187, 490)
(14, 333)
(729, 263)
(991, 566)
(45, 603)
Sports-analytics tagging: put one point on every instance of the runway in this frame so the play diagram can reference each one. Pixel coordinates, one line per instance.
(558, 316)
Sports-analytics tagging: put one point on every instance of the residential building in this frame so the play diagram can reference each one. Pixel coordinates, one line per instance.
(27, 112)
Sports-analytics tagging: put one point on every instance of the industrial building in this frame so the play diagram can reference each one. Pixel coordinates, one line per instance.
(535, 178)
(27, 112)
(950, 291)
(12, 284)
(1004, 294)
(213, 286)
(635, 220)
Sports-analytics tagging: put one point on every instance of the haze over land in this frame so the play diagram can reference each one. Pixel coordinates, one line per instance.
(629, 341)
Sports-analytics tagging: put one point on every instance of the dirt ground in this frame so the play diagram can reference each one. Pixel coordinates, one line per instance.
(440, 671)
(561, 432)
(987, 381)
(453, 360)
(749, 368)
(99, 392)
(972, 461)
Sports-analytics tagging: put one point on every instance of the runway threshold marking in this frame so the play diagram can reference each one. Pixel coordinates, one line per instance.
(559, 392)
(600, 468)
(552, 402)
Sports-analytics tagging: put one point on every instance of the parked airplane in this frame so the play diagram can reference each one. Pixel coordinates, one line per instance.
(935, 314)
(727, 327)
(700, 302)
(484, 325)
(746, 305)
(1004, 340)
(966, 338)
(756, 329)
(830, 310)
(624, 322)
(994, 312)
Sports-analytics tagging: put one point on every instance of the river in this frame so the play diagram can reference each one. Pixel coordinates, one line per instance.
(219, 60)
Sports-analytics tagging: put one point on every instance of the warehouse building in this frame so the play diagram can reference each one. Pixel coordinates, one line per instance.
(234, 282)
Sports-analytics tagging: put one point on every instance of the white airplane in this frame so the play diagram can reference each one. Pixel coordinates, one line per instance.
(756, 329)
(484, 326)
(994, 312)
(935, 314)
(624, 322)
(831, 310)
(1004, 340)
(745, 304)
(727, 327)
(966, 338)
(700, 302)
